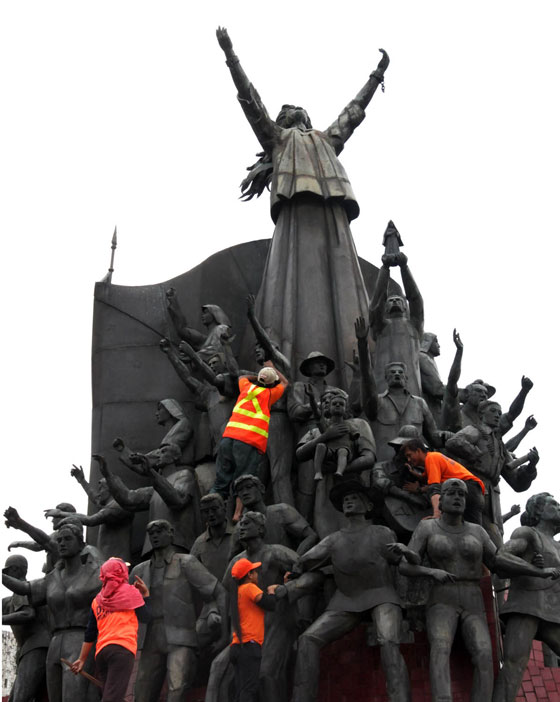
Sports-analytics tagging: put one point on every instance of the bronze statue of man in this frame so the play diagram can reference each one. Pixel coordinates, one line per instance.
(397, 322)
(169, 642)
(30, 630)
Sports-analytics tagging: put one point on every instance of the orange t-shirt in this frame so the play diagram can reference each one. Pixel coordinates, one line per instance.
(251, 616)
(119, 628)
(251, 415)
(439, 468)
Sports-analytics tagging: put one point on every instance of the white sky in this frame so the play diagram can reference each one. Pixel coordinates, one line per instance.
(124, 113)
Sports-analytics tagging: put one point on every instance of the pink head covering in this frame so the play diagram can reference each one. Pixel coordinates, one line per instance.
(116, 594)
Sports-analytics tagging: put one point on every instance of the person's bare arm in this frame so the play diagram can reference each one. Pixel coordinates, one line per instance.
(283, 380)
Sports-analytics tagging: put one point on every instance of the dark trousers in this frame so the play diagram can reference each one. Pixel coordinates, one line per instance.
(114, 665)
(234, 458)
(246, 661)
(475, 503)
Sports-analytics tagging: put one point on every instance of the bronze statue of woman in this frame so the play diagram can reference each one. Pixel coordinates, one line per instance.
(312, 287)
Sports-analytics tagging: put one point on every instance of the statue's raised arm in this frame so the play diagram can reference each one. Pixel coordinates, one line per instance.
(247, 95)
(354, 113)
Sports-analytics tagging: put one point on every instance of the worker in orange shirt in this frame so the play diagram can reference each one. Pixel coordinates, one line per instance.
(244, 440)
(247, 616)
(438, 468)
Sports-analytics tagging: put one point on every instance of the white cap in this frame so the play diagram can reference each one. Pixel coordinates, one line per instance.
(267, 375)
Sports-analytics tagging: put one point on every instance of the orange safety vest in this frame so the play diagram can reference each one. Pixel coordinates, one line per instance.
(251, 415)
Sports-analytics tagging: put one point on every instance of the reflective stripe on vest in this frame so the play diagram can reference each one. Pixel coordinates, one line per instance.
(250, 424)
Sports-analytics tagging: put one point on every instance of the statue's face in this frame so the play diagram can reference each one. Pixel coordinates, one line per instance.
(477, 394)
(318, 368)
(16, 571)
(248, 492)
(103, 493)
(491, 415)
(213, 513)
(355, 503)
(68, 543)
(395, 306)
(248, 528)
(337, 406)
(206, 317)
(296, 116)
(435, 349)
(259, 355)
(551, 511)
(453, 498)
(396, 376)
(160, 536)
(162, 415)
(216, 365)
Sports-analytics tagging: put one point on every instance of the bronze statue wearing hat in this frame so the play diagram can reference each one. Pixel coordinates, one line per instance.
(303, 397)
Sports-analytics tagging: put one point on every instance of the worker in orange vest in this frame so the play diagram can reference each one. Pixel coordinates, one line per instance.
(244, 440)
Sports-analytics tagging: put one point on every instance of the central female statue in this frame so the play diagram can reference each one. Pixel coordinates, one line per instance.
(312, 287)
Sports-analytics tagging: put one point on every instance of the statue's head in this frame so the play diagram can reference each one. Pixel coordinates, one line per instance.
(213, 314)
(168, 409)
(490, 413)
(213, 509)
(260, 355)
(453, 499)
(160, 532)
(69, 538)
(351, 497)
(396, 375)
(252, 525)
(430, 344)
(316, 365)
(476, 393)
(16, 567)
(217, 363)
(103, 492)
(293, 116)
(63, 507)
(337, 403)
(249, 489)
(541, 507)
(396, 306)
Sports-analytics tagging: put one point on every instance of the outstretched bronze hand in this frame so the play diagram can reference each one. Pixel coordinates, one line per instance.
(224, 41)
(382, 65)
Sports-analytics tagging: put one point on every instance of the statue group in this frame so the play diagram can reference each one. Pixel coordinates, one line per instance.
(338, 461)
